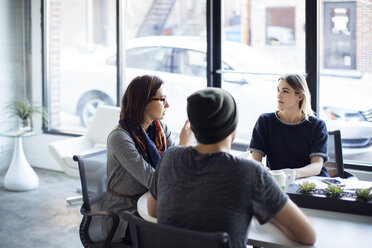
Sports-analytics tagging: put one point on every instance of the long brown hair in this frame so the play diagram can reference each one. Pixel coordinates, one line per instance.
(299, 84)
(136, 97)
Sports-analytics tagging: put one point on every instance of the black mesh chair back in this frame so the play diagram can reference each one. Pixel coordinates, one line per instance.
(335, 164)
(151, 235)
(92, 169)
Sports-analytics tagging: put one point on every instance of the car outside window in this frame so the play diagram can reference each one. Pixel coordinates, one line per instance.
(150, 58)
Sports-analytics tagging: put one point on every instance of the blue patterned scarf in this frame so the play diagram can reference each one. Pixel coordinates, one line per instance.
(151, 144)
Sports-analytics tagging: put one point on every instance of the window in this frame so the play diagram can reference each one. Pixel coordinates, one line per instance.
(261, 39)
(280, 26)
(167, 39)
(255, 64)
(151, 58)
(81, 55)
(80, 43)
(346, 75)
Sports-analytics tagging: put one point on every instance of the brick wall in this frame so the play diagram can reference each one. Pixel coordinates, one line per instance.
(364, 36)
(54, 74)
(291, 58)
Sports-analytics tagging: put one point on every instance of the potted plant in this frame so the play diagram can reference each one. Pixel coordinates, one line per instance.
(334, 191)
(363, 194)
(306, 187)
(25, 110)
(332, 198)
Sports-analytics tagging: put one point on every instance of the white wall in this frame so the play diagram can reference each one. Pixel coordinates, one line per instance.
(36, 147)
(13, 67)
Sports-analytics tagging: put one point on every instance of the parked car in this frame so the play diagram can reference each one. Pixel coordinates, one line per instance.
(181, 63)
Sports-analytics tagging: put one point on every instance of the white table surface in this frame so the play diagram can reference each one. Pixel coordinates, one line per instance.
(142, 208)
(333, 229)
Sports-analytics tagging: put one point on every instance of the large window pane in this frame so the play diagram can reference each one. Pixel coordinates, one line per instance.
(80, 74)
(167, 39)
(262, 39)
(346, 75)
(163, 38)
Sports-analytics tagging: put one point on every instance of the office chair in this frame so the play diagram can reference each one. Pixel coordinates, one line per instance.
(335, 164)
(151, 235)
(91, 234)
(95, 174)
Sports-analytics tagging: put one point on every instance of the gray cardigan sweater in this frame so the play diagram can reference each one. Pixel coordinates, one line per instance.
(127, 173)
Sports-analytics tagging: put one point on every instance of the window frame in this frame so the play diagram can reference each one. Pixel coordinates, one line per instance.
(214, 58)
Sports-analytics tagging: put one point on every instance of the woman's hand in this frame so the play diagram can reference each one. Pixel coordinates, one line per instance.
(186, 136)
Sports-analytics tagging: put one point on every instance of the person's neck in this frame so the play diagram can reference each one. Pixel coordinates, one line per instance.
(145, 125)
(222, 146)
(289, 116)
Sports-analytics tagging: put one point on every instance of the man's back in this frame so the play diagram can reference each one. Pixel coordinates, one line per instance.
(214, 192)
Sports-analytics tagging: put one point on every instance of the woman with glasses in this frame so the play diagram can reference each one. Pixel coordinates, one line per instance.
(135, 146)
(292, 137)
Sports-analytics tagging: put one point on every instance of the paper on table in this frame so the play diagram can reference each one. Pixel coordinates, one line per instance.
(245, 155)
(349, 183)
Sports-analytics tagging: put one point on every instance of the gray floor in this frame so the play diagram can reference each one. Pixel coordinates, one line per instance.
(40, 217)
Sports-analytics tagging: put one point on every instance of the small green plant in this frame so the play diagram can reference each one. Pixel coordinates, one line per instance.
(334, 191)
(363, 194)
(306, 187)
(24, 110)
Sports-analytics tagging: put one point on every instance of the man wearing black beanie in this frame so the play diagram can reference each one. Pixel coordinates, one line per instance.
(205, 188)
(212, 114)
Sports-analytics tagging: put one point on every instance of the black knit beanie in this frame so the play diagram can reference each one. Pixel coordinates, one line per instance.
(212, 114)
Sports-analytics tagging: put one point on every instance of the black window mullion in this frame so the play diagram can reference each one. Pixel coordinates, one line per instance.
(312, 51)
(214, 43)
(119, 50)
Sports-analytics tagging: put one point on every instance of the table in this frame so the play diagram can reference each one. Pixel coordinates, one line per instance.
(142, 208)
(20, 175)
(333, 229)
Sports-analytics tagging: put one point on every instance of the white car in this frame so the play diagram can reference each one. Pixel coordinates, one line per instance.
(181, 63)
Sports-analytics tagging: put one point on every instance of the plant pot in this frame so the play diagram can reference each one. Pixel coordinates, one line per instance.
(322, 202)
(25, 124)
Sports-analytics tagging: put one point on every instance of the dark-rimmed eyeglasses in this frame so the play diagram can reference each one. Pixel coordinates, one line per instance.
(163, 99)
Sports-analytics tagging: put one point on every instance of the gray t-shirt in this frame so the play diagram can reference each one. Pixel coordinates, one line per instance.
(214, 192)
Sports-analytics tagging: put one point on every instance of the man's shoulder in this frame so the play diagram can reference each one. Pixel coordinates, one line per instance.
(176, 151)
(177, 148)
(245, 164)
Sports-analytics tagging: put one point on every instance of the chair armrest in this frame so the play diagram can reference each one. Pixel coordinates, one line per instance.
(115, 221)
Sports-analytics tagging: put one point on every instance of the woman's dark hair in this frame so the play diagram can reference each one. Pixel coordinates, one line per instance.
(136, 97)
